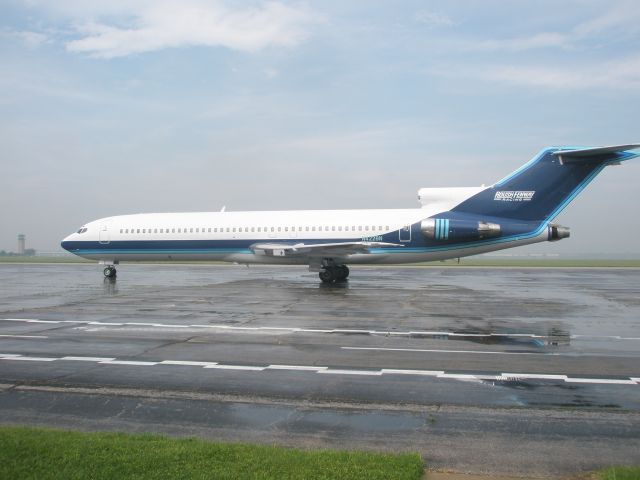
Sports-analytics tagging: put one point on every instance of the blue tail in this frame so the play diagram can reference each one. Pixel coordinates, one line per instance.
(540, 189)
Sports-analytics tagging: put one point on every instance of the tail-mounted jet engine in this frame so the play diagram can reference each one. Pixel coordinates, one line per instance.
(558, 232)
(458, 230)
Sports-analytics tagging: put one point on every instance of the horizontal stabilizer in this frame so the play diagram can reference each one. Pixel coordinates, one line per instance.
(583, 153)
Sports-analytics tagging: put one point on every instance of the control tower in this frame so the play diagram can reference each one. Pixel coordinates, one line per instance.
(21, 243)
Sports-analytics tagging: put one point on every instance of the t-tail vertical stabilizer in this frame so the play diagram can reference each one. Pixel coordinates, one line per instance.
(542, 188)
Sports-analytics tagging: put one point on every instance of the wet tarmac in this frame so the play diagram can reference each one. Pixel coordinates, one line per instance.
(458, 363)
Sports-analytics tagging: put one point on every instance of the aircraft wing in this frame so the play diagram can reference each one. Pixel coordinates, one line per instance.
(337, 249)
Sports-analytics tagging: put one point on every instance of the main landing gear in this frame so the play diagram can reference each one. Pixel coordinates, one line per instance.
(335, 273)
(110, 271)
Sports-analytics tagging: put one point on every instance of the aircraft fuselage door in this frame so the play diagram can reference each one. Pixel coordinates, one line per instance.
(104, 234)
(405, 233)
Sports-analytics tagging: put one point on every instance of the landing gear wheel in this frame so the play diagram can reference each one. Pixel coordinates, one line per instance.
(109, 272)
(327, 275)
(342, 272)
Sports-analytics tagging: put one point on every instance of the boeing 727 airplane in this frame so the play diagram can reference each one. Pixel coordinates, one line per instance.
(451, 223)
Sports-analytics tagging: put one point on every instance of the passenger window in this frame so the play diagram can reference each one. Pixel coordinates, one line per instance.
(366, 228)
(138, 231)
(306, 229)
(120, 230)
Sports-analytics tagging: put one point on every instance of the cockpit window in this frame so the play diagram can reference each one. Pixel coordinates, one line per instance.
(82, 230)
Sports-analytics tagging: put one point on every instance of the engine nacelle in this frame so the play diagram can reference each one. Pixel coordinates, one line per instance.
(558, 232)
(458, 230)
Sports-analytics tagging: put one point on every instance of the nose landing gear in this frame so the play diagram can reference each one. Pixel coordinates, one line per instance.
(109, 271)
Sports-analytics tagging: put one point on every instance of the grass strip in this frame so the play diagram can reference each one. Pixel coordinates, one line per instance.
(620, 473)
(34, 453)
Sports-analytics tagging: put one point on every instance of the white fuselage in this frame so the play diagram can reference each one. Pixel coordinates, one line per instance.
(227, 236)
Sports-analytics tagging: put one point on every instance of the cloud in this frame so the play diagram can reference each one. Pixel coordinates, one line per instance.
(519, 44)
(433, 19)
(271, 72)
(622, 18)
(621, 74)
(29, 38)
(172, 24)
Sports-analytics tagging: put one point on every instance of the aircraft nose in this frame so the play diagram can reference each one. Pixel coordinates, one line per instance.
(66, 242)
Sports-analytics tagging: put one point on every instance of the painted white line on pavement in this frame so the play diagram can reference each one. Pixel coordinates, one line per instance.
(89, 359)
(440, 374)
(23, 336)
(426, 350)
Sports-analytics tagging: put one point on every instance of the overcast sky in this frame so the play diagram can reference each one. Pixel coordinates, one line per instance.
(114, 107)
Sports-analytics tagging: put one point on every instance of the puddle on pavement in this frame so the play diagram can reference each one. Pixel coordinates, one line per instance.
(326, 420)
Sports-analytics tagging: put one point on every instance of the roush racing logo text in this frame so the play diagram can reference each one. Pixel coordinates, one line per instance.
(514, 195)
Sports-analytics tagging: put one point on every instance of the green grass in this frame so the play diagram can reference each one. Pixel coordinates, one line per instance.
(30, 453)
(620, 473)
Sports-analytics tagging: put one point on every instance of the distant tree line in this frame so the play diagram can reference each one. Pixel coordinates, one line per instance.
(28, 252)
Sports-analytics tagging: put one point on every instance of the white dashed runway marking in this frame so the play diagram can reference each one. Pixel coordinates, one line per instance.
(441, 374)
(23, 336)
(425, 350)
(344, 331)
